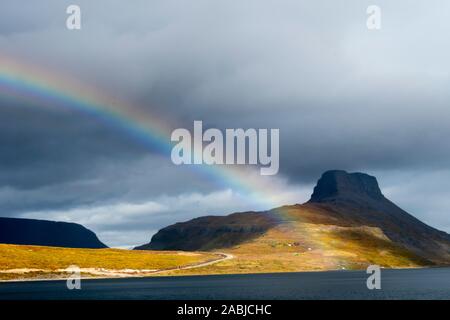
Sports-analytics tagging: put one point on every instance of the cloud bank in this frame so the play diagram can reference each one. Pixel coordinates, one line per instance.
(343, 97)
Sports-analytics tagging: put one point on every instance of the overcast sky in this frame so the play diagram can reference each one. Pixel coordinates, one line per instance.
(343, 96)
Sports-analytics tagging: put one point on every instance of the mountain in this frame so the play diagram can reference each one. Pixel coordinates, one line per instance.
(47, 233)
(357, 199)
(347, 223)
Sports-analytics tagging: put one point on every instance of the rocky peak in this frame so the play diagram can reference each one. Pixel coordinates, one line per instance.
(339, 184)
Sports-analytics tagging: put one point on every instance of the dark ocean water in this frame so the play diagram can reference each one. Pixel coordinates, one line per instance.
(396, 284)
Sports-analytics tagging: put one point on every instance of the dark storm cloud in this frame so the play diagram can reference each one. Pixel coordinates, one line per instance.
(343, 96)
(59, 159)
(42, 146)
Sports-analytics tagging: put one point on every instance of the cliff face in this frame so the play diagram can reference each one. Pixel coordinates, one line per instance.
(343, 207)
(47, 233)
(338, 184)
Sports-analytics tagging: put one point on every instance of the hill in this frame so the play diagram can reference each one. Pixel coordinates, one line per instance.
(47, 233)
(348, 223)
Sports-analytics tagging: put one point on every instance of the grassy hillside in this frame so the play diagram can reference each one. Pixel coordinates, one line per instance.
(19, 262)
(309, 240)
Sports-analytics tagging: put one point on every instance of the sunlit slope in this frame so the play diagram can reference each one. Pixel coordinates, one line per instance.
(307, 241)
(21, 262)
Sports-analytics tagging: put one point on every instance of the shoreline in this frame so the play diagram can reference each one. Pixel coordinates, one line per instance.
(151, 275)
(122, 275)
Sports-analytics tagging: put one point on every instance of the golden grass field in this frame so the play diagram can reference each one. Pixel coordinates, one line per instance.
(23, 262)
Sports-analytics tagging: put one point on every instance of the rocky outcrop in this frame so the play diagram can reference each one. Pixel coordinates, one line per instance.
(338, 184)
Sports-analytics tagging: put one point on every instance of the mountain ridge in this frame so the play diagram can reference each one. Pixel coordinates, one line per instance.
(343, 207)
(23, 231)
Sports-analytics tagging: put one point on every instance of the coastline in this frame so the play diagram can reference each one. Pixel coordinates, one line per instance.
(122, 274)
(159, 273)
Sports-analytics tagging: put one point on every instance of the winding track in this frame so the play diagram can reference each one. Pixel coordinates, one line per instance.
(224, 256)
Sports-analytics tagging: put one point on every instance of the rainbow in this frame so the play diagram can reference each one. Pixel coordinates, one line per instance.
(47, 89)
